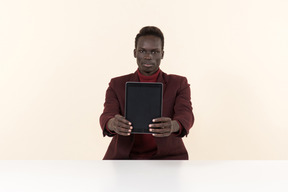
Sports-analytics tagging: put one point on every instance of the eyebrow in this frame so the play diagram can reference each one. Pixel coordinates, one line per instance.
(155, 49)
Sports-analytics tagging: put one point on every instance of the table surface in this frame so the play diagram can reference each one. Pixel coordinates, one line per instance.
(137, 176)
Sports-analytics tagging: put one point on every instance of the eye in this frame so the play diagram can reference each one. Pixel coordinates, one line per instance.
(155, 52)
(141, 51)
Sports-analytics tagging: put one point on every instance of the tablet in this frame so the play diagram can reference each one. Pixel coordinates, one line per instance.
(143, 102)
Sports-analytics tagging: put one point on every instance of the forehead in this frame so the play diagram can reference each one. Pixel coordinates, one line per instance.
(149, 42)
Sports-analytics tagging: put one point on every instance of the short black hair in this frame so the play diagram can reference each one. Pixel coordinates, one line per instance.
(150, 30)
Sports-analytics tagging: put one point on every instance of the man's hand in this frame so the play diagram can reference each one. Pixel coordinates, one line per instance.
(120, 125)
(163, 127)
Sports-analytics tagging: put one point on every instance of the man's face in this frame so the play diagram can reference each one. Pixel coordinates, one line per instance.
(148, 54)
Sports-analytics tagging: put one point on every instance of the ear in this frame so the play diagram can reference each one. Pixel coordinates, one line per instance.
(135, 53)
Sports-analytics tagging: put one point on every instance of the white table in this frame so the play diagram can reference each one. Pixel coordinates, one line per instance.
(148, 176)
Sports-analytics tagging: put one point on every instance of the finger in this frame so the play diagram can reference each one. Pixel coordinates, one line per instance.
(123, 125)
(122, 133)
(161, 119)
(160, 125)
(123, 130)
(161, 135)
(160, 131)
(120, 127)
(122, 119)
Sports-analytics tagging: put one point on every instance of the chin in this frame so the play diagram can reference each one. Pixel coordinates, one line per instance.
(149, 70)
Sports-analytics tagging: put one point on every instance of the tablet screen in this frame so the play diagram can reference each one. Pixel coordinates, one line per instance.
(143, 102)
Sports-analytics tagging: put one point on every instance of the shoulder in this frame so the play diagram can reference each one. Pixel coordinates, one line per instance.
(172, 78)
(123, 77)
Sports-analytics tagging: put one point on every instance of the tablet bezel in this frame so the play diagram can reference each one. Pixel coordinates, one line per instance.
(159, 85)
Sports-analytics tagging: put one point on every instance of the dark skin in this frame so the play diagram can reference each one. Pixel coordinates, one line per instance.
(148, 54)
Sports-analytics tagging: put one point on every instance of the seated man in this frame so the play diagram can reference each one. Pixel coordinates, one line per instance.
(166, 140)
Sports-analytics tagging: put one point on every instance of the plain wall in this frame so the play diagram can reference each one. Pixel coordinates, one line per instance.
(57, 58)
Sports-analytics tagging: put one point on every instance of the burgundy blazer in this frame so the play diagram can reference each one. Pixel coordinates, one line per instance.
(176, 105)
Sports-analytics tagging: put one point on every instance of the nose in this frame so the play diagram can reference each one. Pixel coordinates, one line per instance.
(147, 56)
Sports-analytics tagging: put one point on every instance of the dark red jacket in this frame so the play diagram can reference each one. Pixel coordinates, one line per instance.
(176, 105)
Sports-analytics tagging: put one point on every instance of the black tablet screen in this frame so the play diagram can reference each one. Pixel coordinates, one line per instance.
(143, 102)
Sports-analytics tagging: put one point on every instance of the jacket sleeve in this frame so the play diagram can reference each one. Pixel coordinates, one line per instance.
(111, 108)
(183, 108)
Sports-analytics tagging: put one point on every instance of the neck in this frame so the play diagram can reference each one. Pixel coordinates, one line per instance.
(148, 78)
(149, 74)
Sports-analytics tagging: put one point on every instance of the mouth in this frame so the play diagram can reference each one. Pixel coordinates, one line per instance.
(147, 64)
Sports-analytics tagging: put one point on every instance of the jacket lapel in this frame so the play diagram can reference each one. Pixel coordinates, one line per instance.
(162, 79)
(134, 77)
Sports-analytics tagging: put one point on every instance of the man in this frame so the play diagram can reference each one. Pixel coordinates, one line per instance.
(166, 140)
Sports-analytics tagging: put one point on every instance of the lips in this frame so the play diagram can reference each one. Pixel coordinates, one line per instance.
(147, 64)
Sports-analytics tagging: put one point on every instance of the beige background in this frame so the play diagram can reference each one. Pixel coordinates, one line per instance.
(57, 58)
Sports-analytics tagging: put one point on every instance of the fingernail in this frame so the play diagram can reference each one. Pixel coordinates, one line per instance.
(150, 125)
(153, 134)
(131, 127)
(150, 130)
(129, 123)
(153, 120)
